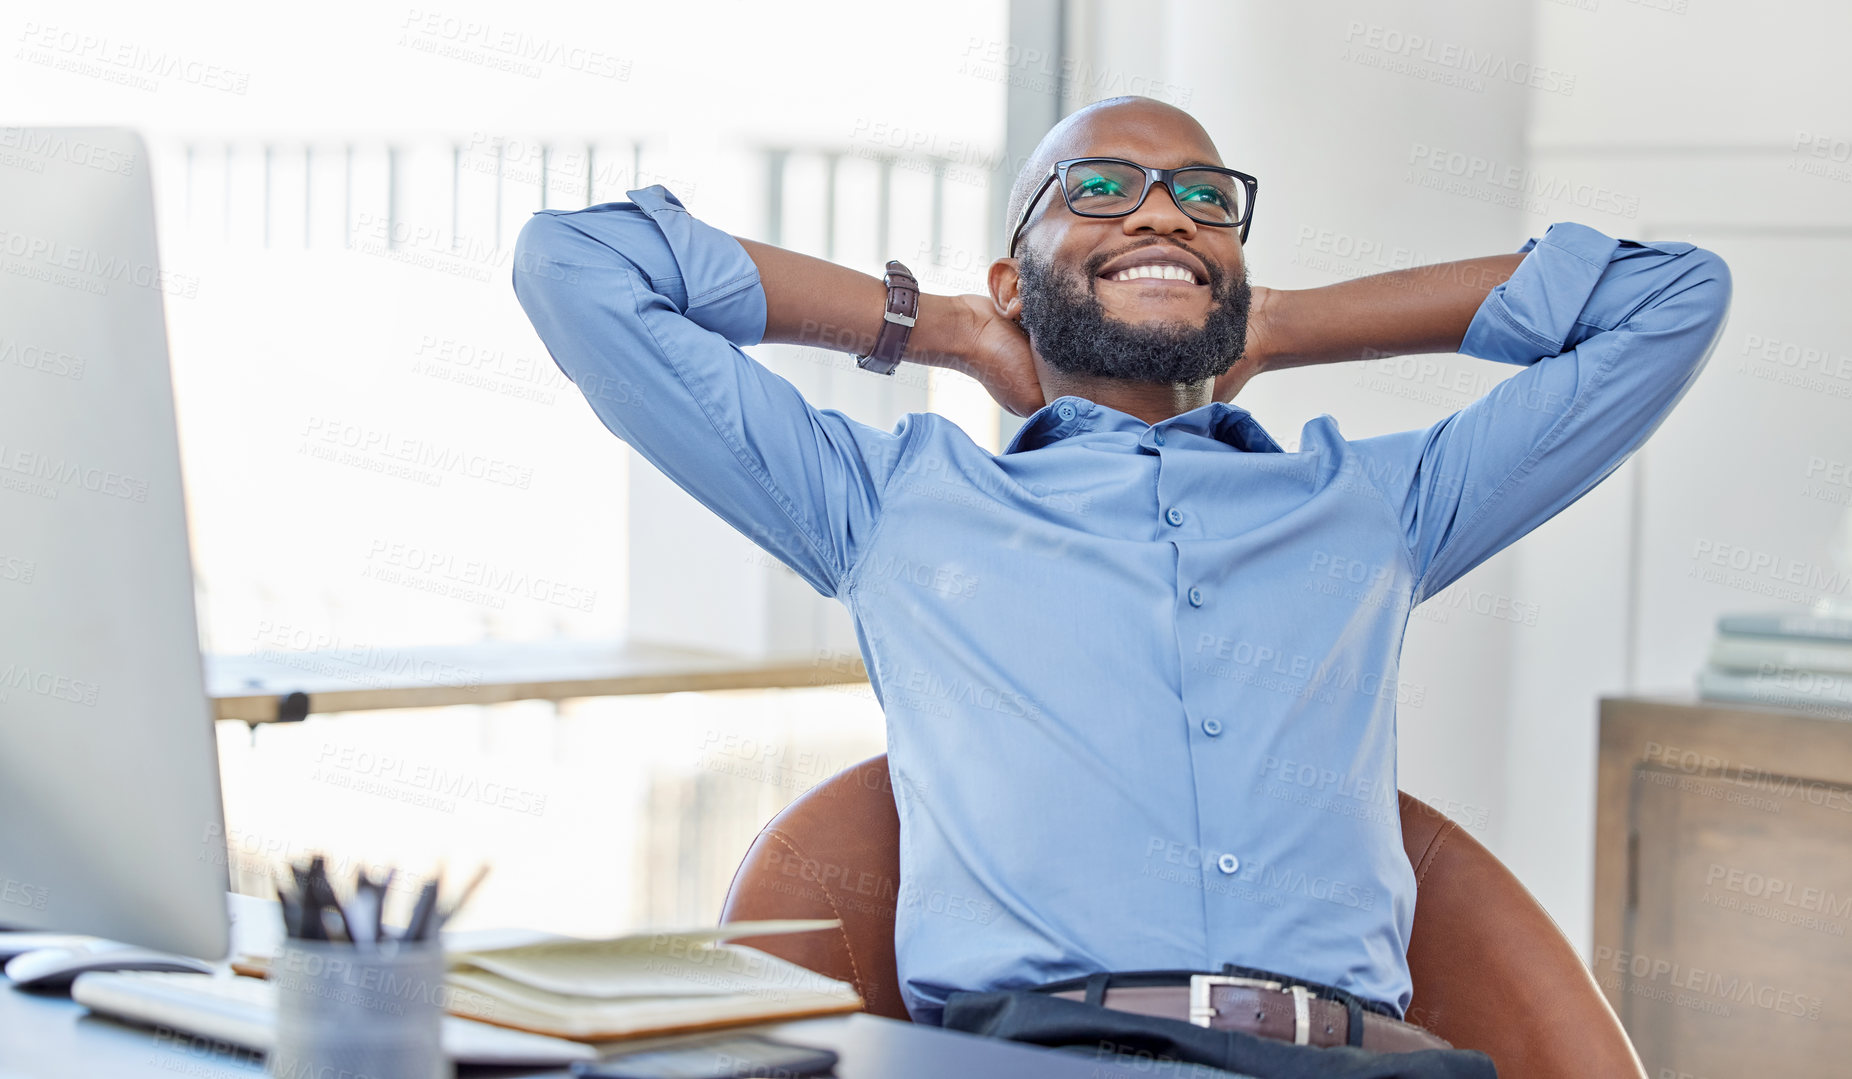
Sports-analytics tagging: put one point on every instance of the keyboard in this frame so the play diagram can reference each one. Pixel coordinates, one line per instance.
(242, 1012)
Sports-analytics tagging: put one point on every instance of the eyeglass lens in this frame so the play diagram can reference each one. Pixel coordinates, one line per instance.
(1104, 188)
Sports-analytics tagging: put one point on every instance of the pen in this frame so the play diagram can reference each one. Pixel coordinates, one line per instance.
(419, 924)
(366, 908)
(334, 923)
(292, 906)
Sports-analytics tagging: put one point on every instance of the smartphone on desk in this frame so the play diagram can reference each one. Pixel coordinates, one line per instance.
(739, 1056)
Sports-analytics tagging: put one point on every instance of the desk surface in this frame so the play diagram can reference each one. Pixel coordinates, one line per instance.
(49, 1036)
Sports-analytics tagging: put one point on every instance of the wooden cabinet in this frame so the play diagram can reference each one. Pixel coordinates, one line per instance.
(1723, 887)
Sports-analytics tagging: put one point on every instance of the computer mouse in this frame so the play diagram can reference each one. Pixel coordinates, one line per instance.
(53, 968)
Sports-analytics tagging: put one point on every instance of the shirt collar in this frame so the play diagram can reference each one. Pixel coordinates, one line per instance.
(1070, 415)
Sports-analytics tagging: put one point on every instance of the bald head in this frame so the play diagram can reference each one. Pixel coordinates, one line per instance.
(1100, 295)
(1106, 129)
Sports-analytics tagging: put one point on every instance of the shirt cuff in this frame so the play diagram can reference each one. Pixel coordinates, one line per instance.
(720, 280)
(1533, 313)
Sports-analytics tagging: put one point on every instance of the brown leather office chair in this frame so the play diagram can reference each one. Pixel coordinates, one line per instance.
(1491, 970)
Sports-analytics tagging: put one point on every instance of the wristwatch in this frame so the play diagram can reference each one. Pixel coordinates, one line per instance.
(903, 309)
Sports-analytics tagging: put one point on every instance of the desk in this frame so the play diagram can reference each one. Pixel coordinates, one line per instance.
(1723, 894)
(49, 1036)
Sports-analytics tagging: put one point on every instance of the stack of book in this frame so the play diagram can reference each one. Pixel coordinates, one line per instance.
(1801, 661)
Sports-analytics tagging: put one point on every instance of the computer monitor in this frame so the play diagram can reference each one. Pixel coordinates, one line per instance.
(110, 816)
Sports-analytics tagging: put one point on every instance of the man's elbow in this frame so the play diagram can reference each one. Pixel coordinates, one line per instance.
(541, 251)
(1693, 300)
(1690, 312)
(1712, 288)
(1712, 276)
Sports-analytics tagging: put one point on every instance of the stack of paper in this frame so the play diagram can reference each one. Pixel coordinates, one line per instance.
(1793, 660)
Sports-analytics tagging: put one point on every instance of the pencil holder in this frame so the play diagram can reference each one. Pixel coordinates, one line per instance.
(366, 1013)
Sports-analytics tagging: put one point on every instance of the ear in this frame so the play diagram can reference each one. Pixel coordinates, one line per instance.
(1005, 283)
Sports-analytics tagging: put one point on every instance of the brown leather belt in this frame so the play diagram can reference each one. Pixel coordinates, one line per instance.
(1267, 1009)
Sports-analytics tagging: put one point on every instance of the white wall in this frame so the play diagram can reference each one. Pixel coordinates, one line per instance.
(1695, 109)
(1663, 119)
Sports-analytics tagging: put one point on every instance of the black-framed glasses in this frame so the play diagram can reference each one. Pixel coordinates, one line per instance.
(1113, 187)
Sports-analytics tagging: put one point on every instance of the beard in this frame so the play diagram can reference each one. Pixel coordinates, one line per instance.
(1068, 327)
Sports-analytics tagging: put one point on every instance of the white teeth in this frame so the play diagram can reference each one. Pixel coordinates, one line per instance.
(1164, 271)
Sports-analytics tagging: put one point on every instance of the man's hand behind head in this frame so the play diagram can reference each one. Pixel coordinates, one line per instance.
(1254, 356)
(999, 357)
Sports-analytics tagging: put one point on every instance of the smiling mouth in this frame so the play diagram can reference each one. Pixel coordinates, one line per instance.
(1159, 273)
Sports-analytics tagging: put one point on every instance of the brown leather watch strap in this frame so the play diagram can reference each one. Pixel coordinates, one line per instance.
(903, 307)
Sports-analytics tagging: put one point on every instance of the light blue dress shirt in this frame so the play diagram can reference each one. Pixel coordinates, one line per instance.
(1140, 680)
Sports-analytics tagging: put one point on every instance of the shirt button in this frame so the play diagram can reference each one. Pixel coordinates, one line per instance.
(1157, 437)
(1196, 597)
(1212, 727)
(1065, 410)
(1228, 863)
(1175, 516)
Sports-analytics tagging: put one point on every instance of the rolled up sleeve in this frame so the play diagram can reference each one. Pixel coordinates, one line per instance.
(1611, 334)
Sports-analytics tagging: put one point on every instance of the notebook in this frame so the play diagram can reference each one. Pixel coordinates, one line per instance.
(638, 985)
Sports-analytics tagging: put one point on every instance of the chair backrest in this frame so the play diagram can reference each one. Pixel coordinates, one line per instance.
(1491, 970)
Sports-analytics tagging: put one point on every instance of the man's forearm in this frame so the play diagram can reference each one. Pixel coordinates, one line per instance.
(1418, 310)
(812, 301)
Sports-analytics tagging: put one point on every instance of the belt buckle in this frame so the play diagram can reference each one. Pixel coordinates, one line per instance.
(1202, 1010)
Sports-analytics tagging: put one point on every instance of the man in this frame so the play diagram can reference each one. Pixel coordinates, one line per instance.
(1080, 738)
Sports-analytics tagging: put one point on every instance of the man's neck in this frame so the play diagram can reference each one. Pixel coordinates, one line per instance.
(1149, 401)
